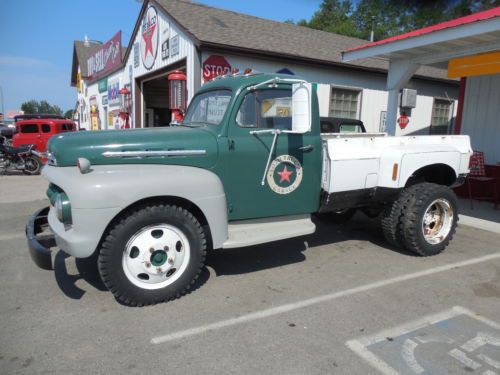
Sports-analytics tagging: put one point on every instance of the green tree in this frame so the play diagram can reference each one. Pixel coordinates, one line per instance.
(391, 17)
(34, 106)
(69, 114)
(334, 16)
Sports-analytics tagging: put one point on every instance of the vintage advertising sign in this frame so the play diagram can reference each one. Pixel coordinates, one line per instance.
(149, 37)
(284, 174)
(102, 85)
(113, 92)
(174, 45)
(215, 66)
(105, 59)
(164, 50)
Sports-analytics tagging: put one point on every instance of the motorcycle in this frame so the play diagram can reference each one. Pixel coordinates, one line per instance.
(22, 158)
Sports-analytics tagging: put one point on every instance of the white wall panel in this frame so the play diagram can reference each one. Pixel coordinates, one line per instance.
(481, 115)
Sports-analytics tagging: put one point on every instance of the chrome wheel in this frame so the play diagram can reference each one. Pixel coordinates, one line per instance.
(156, 256)
(437, 221)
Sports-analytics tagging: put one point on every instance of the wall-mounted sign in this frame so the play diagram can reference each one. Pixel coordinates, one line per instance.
(215, 66)
(149, 37)
(136, 55)
(164, 50)
(383, 119)
(286, 71)
(104, 100)
(79, 82)
(113, 92)
(174, 45)
(102, 85)
(106, 58)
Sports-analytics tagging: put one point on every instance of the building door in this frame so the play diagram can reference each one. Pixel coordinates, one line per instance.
(292, 182)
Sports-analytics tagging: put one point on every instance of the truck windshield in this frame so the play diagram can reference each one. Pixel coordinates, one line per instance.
(208, 108)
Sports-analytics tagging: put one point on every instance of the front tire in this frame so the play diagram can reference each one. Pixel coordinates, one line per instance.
(152, 255)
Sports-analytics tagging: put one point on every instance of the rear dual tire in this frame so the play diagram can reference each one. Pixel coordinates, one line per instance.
(422, 220)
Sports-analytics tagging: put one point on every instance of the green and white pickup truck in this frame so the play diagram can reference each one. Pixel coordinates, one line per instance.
(248, 165)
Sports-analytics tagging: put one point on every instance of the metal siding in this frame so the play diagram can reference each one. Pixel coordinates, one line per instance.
(185, 46)
(481, 115)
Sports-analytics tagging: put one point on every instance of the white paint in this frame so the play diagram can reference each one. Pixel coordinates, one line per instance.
(360, 346)
(474, 222)
(440, 38)
(481, 115)
(351, 158)
(326, 298)
(489, 361)
(462, 357)
(408, 354)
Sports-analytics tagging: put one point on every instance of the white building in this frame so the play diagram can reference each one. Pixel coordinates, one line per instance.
(203, 41)
(467, 48)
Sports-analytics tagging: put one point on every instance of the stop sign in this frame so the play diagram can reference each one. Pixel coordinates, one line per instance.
(403, 121)
(215, 66)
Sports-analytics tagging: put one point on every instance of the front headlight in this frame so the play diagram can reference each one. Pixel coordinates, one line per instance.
(63, 208)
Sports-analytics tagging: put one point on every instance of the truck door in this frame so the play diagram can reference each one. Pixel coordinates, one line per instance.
(47, 132)
(28, 135)
(292, 182)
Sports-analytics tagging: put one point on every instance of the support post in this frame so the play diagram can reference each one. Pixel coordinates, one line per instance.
(400, 72)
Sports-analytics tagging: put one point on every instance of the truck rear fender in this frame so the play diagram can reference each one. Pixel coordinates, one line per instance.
(442, 167)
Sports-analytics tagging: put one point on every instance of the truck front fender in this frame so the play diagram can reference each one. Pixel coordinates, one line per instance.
(120, 186)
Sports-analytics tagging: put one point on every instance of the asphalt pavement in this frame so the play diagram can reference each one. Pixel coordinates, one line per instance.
(340, 301)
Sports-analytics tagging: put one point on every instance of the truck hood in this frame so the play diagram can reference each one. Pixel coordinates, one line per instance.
(176, 145)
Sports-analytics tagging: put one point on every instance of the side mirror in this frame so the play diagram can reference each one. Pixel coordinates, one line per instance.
(301, 107)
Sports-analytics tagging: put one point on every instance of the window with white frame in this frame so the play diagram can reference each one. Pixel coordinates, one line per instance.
(345, 103)
(441, 113)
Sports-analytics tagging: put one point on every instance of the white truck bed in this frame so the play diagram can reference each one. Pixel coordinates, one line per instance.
(354, 161)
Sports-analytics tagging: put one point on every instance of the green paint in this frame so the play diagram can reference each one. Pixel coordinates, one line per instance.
(102, 85)
(68, 147)
(236, 156)
(158, 258)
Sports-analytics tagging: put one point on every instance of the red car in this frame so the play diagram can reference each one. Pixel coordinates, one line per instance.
(38, 131)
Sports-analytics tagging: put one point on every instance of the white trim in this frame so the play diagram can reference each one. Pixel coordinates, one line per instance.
(444, 35)
(282, 309)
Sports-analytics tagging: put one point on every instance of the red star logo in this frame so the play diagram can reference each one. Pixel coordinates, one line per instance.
(148, 39)
(285, 175)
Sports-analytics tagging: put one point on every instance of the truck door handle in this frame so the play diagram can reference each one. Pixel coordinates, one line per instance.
(307, 148)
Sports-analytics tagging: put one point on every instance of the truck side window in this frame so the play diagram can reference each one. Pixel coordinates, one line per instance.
(274, 109)
(29, 128)
(247, 114)
(45, 128)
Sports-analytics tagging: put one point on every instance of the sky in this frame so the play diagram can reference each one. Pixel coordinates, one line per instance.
(36, 39)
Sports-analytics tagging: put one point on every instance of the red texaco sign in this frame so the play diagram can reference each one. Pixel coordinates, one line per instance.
(149, 37)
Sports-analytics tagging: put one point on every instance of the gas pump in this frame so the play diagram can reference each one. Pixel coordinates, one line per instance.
(124, 108)
(177, 94)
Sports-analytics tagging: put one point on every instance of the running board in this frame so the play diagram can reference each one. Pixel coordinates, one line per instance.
(257, 231)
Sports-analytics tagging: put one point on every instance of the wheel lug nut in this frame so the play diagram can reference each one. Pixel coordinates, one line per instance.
(152, 250)
(165, 248)
(148, 264)
(158, 269)
(170, 260)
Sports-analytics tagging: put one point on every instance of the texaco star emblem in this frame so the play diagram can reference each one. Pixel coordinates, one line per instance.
(284, 174)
